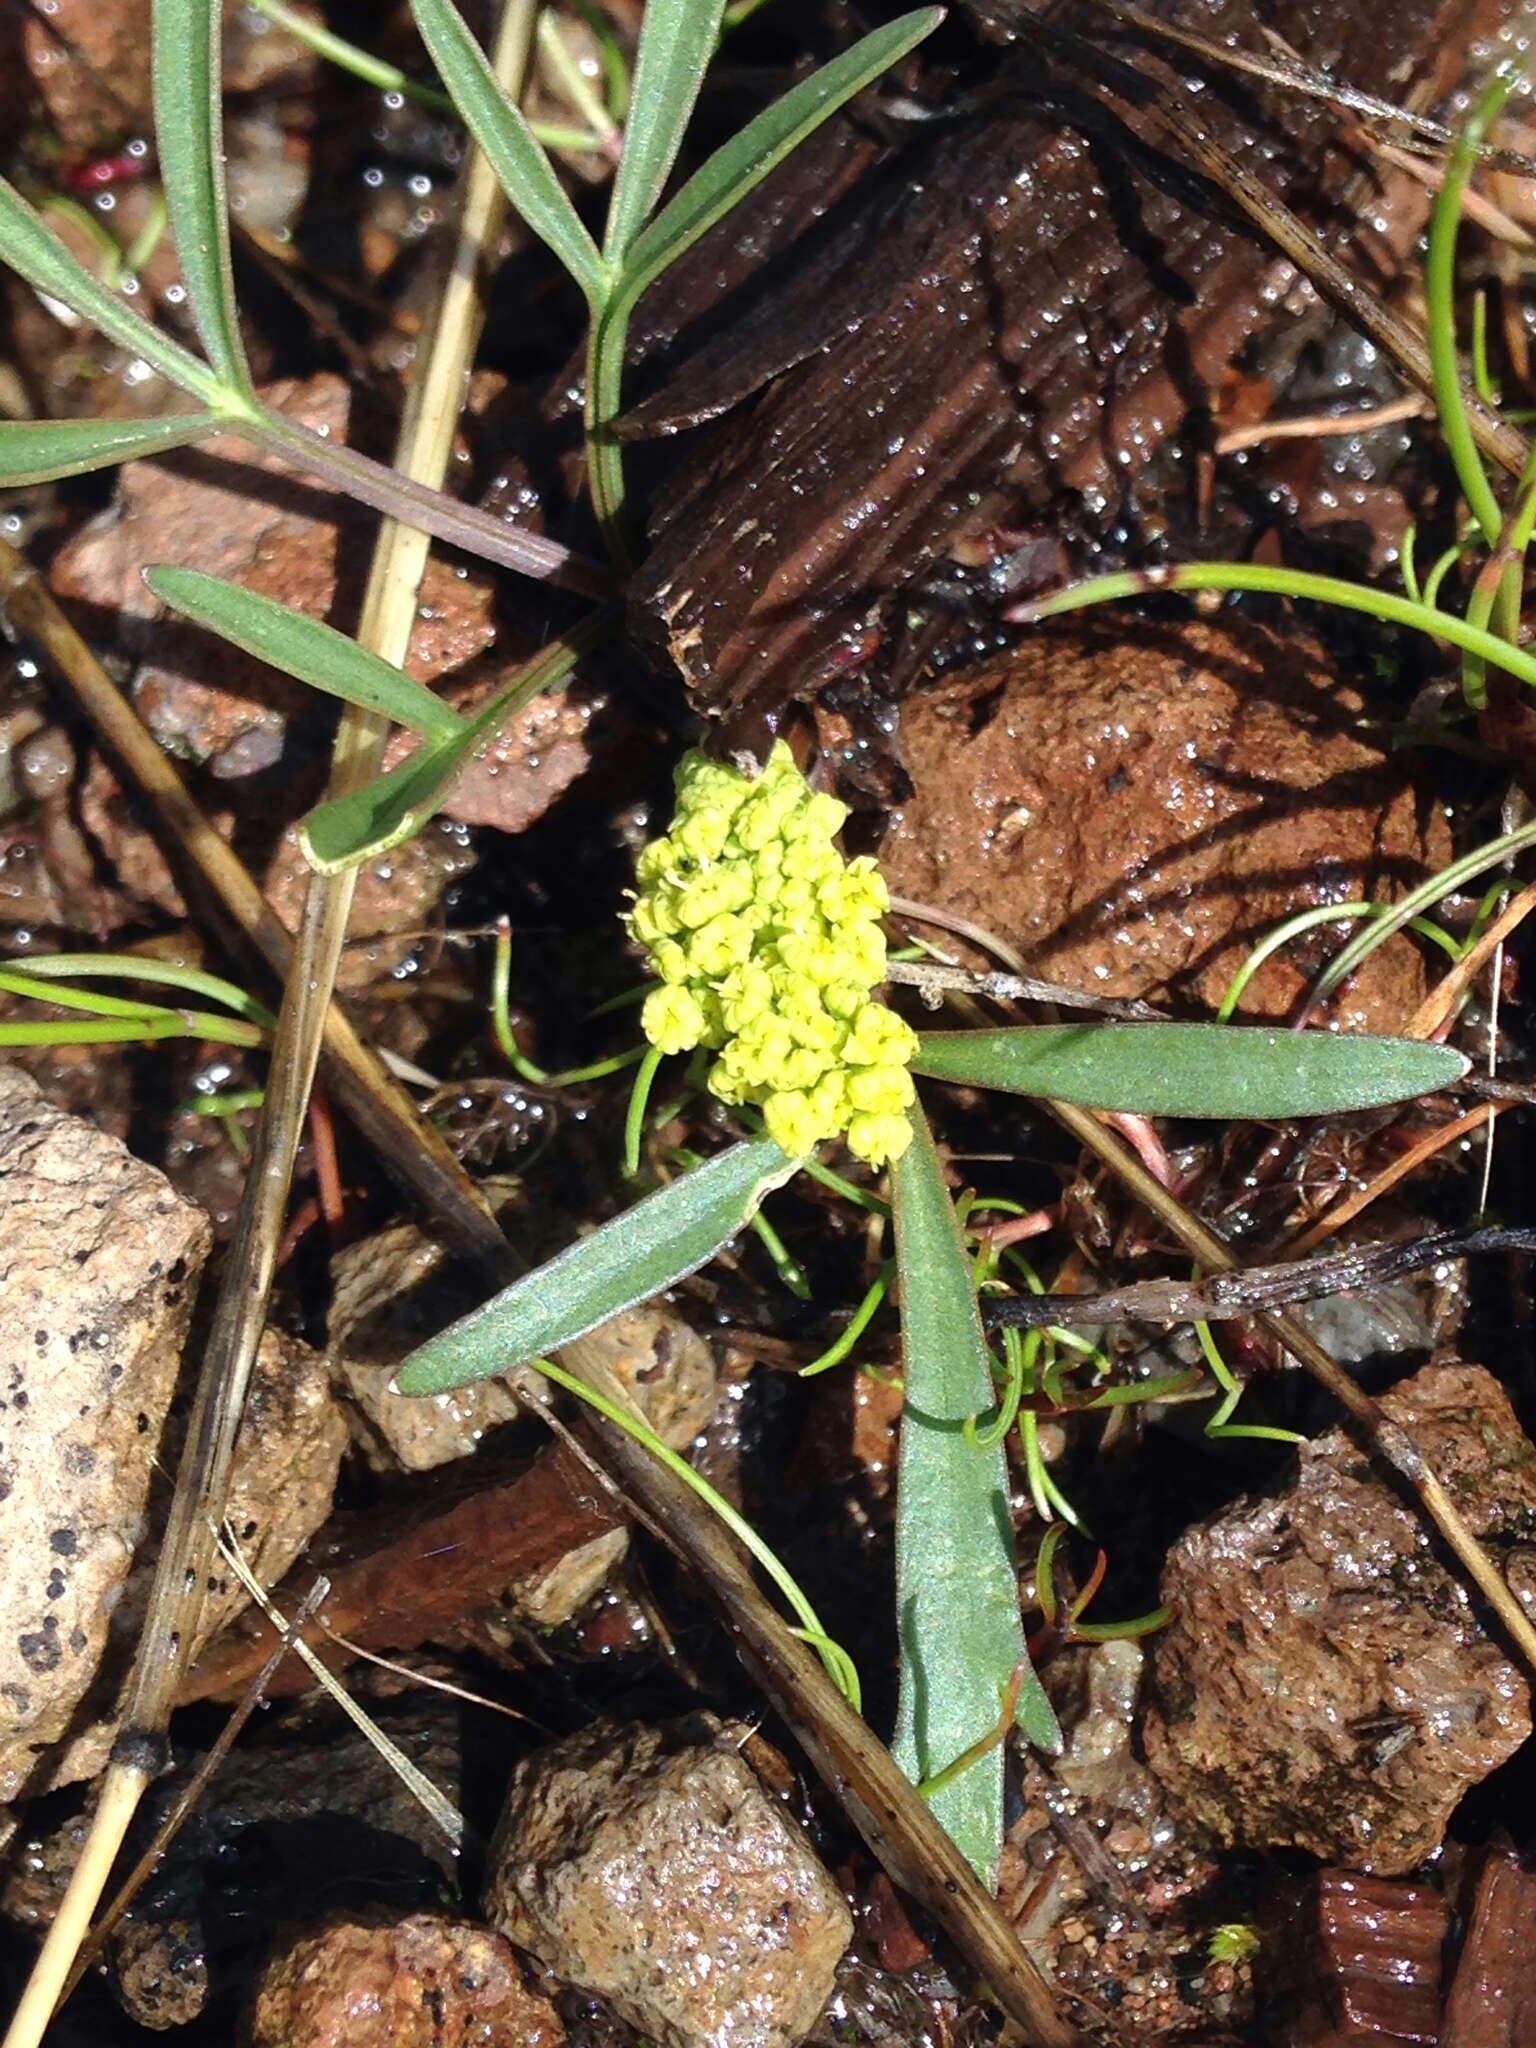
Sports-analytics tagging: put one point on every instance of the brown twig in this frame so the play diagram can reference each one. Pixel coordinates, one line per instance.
(1318, 426)
(1382, 1435)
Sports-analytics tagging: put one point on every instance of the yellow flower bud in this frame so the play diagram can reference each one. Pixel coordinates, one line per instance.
(671, 1019)
(768, 943)
(878, 1139)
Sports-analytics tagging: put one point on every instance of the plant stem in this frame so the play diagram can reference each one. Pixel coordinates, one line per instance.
(1439, 293)
(431, 511)
(605, 456)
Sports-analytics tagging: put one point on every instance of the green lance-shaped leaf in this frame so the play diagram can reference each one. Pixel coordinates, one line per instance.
(730, 174)
(189, 133)
(39, 257)
(1214, 1070)
(957, 1596)
(525, 173)
(677, 40)
(369, 821)
(650, 1247)
(304, 648)
(37, 451)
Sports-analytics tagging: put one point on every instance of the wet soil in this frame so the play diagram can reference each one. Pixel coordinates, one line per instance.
(982, 337)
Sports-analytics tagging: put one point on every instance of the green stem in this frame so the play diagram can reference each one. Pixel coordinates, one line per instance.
(1302, 583)
(839, 1665)
(1439, 292)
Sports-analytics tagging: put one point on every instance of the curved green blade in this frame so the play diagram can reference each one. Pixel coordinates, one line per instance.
(1198, 1070)
(957, 1589)
(38, 451)
(304, 648)
(523, 170)
(677, 40)
(736, 166)
(189, 134)
(650, 1247)
(48, 267)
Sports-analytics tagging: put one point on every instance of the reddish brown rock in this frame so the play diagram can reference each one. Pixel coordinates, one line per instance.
(1326, 1683)
(1133, 807)
(397, 897)
(368, 1981)
(227, 712)
(534, 758)
(650, 1866)
(89, 66)
(1492, 1999)
(87, 63)
(200, 698)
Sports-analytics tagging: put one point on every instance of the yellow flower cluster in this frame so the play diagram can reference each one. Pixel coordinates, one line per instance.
(767, 943)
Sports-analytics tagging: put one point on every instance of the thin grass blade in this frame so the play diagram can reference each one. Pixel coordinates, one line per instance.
(304, 648)
(48, 267)
(677, 40)
(37, 451)
(1300, 583)
(526, 174)
(189, 134)
(370, 820)
(1196, 1070)
(748, 157)
(193, 981)
(956, 1585)
(650, 1247)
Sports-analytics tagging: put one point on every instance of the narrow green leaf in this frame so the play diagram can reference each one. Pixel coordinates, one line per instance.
(48, 267)
(677, 40)
(1214, 1070)
(189, 133)
(1385, 605)
(744, 161)
(37, 451)
(195, 981)
(526, 174)
(957, 1594)
(650, 1247)
(304, 648)
(370, 820)
(366, 822)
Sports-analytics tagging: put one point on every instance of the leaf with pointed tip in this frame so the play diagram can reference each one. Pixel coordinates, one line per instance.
(524, 170)
(37, 451)
(189, 134)
(48, 267)
(369, 821)
(677, 40)
(1196, 1070)
(736, 166)
(650, 1247)
(957, 1593)
(304, 648)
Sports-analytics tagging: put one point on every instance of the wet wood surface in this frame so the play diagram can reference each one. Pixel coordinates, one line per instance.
(1003, 320)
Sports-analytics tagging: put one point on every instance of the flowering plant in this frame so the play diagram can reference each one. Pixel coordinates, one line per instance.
(767, 949)
(768, 944)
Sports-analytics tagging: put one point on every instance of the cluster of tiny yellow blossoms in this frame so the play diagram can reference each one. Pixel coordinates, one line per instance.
(767, 943)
